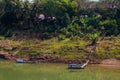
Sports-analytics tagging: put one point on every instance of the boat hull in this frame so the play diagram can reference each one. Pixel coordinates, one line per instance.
(75, 66)
(20, 61)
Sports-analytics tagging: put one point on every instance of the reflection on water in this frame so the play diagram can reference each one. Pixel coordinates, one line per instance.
(1, 59)
(75, 70)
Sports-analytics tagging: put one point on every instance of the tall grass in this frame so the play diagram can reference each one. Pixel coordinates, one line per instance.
(67, 48)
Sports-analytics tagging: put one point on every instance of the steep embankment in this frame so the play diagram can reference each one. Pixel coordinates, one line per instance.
(110, 63)
(65, 51)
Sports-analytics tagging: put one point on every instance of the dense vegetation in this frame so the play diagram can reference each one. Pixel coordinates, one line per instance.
(72, 18)
(71, 26)
(66, 49)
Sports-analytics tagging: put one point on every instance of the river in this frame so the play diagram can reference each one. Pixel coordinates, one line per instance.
(14, 71)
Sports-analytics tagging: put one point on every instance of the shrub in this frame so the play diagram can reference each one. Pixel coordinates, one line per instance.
(35, 53)
(110, 26)
(2, 38)
(22, 53)
(61, 37)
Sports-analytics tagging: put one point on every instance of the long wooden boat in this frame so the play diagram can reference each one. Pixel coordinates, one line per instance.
(77, 66)
(20, 61)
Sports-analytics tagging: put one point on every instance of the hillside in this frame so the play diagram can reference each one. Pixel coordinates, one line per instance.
(61, 51)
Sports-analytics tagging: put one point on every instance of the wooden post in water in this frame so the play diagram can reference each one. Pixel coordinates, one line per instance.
(85, 64)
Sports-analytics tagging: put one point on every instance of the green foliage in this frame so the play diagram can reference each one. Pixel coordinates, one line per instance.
(114, 53)
(74, 17)
(2, 38)
(22, 53)
(61, 37)
(8, 33)
(93, 37)
(102, 56)
(108, 48)
(67, 48)
(75, 21)
(109, 26)
(35, 53)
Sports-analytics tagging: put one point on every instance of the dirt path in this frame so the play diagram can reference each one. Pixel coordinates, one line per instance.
(110, 63)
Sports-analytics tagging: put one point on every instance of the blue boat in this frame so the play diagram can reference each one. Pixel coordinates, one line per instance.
(77, 66)
(20, 61)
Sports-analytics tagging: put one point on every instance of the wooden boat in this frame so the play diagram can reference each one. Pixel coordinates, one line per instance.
(20, 61)
(77, 66)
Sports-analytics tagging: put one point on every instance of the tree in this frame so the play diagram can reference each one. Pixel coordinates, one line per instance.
(111, 3)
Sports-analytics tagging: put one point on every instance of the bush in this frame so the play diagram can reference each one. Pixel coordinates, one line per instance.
(61, 37)
(110, 26)
(2, 38)
(102, 56)
(35, 53)
(118, 56)
(22, 53)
